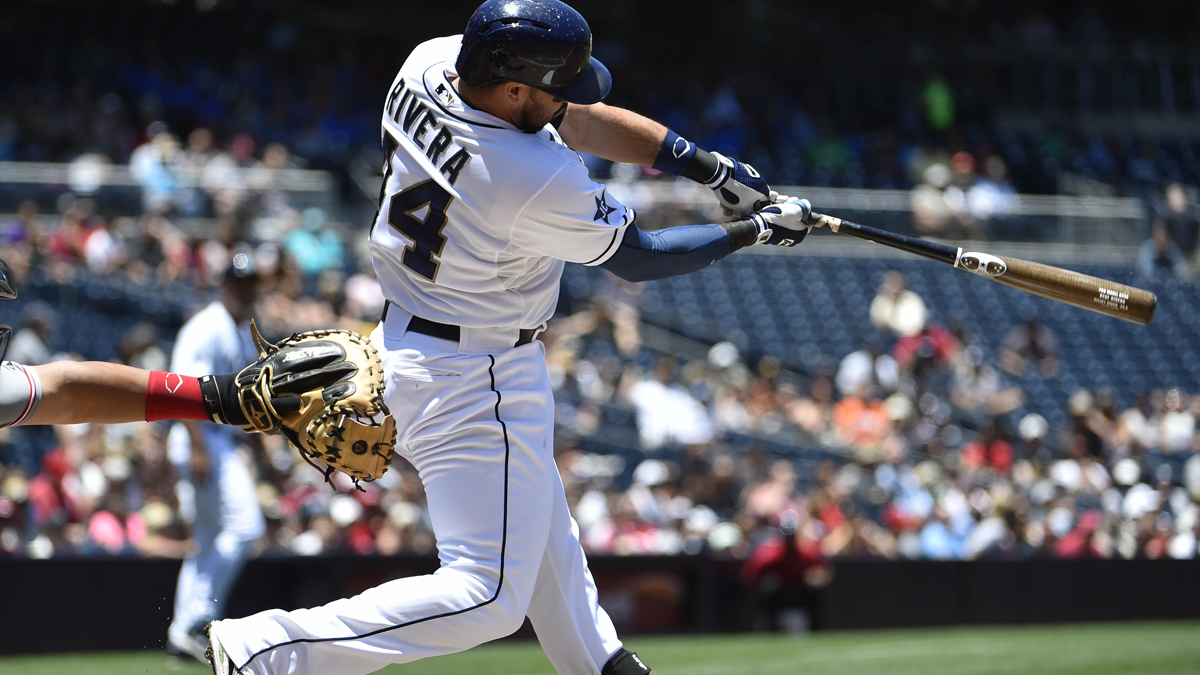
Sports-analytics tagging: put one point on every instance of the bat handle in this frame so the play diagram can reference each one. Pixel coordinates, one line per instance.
(821, 220)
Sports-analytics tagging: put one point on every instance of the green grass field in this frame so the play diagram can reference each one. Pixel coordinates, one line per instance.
(1095, 649)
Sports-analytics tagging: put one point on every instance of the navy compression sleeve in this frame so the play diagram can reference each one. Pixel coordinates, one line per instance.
(645, 256)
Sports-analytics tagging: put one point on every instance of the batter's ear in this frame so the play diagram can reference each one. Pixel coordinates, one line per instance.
(512, 91)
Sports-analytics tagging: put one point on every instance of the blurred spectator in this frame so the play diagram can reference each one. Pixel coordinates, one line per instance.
(30, 343)
(103, 252)
(1029, 343)
(781, 575)
(138, 347)
(931, 212)
(870, 366)
(24, 227)
(933, 348)
(666, 412)
(190, 164)
(963, 224)
(364, 299)
(225, 176)
(977, 388)
(157, 251)
(313, 246)
(861, 420)
(1159, 258)
(897, 309)
(991, 450)
(938, 99)
(154, 166)
(992, 197)
(67, 241)
(1182, 220)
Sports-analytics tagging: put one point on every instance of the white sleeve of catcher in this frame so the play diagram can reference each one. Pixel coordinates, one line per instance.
(20, 393)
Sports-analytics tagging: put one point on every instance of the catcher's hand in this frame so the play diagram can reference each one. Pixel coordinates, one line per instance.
(323, 390)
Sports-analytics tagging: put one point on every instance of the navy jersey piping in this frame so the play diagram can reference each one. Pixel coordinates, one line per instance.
(613, 242)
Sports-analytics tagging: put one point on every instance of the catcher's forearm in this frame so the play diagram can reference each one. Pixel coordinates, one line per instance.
(108, 393)
(75, 392)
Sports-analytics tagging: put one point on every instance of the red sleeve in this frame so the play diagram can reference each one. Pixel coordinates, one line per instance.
(171, 396)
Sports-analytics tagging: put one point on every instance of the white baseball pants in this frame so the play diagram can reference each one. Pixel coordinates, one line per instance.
(479, 430)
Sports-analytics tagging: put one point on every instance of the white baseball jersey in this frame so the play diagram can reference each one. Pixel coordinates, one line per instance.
(477, 221)
(212, 342)
(224, 513)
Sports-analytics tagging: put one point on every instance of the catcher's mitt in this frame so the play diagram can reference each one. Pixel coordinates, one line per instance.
(323, 390)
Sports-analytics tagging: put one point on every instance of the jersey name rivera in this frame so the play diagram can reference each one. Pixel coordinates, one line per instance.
(417, 121)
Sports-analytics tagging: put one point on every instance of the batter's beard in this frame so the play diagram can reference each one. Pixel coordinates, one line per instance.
(533, 116)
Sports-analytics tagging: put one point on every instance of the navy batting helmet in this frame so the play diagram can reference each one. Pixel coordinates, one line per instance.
(542, 43)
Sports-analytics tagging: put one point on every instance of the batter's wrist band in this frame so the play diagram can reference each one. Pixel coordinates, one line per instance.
(680, 157)
(746, 232)
(171, 396)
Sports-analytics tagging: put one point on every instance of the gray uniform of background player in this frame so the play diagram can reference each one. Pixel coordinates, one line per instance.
(227, 520)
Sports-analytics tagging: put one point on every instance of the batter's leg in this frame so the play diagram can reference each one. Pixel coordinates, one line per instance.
(574, 630)
(485, 460)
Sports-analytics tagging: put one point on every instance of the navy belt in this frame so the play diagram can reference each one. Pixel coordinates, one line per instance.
(450, 332)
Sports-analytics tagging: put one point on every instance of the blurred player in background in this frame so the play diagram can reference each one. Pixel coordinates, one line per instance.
(484, 201)
(227, 519)
(216, 491)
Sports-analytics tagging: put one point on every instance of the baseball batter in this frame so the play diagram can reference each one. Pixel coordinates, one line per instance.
(484, 201)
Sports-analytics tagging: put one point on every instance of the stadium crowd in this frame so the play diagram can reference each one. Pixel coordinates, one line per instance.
(907, 449)
(902, 451)
(286, 77)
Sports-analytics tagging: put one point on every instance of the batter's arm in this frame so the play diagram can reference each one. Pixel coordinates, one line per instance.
(645, 256)
(613, 133)
(620, 135)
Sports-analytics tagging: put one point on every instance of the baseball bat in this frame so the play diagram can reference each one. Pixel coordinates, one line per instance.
(1072, 288)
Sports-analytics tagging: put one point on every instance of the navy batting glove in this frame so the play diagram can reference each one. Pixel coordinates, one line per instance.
(783, 224)
(740, 189)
